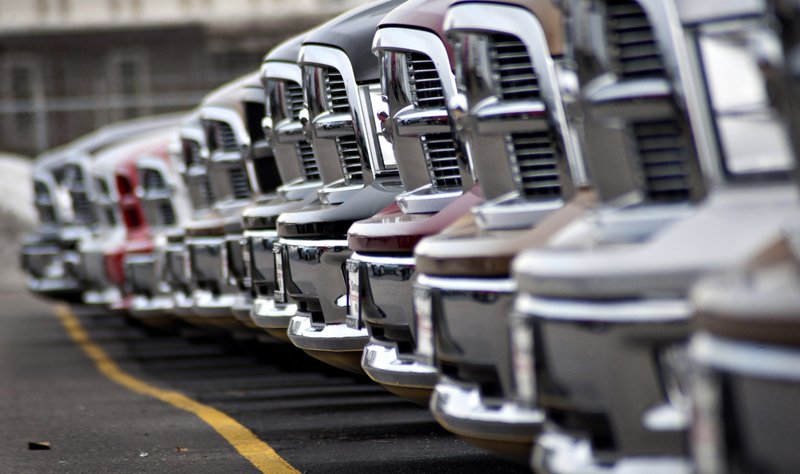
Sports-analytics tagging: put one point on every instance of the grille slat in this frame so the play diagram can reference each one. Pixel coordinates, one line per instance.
(534, 159)
(665, 165)
(294, 98)
(336, 92)
(424, 81)
(240, 186)
(440, 155)
(632, 41)
(166, 214)
(350, 158)
(512, 68)
(308, 163)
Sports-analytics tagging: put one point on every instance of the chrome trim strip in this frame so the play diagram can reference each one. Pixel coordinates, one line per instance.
(750, 358)
(629, 311)
(477, 285)
(383, 260)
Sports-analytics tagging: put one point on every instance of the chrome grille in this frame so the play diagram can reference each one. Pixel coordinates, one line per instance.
(44, 202)
(191, 152)
(152, 180)
(222, 136)
(631, 41)
(425, 83)
(293, 95)
(665, 163)
(350, 158)
(335, 92)
(512, 69)
(166, 214)
(308, 163)
(534, 164)
(240, 186)
(82, 207)
(442, 161)
(102, 187)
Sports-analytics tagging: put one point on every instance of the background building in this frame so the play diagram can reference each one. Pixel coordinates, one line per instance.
(70, 66)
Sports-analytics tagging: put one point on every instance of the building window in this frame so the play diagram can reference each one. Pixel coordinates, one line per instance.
(24, 118)
(129, 85)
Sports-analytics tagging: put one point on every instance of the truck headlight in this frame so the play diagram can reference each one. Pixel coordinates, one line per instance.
(735, 57)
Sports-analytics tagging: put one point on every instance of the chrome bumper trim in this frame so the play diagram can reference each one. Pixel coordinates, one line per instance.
(330, 337)
(557, 453)
(461, 409)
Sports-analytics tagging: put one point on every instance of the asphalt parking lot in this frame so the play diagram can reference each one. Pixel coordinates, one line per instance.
(317, 419)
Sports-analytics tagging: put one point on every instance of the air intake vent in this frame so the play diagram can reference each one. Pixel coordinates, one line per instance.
(44, 202)
(350, 158)
(102, 187)
(294, 98)
(191, 152)
(631, 41)
(664, 161)
(534, 162)
(308, 163)
(336, 92)
(166, 214)
(152, 180)
(426, 86)
(512, 68)
(222, 137)
(84, 211)
(440, 155)
(240, 186)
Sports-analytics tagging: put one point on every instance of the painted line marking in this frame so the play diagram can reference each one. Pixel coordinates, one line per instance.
(259, 453)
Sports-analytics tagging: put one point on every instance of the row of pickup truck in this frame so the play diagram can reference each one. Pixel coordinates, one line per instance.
(569, 227)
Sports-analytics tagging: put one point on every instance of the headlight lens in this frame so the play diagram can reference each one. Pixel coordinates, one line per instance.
(751, 134)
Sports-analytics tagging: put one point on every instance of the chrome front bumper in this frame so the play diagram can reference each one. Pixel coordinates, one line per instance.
(212, 294)
(462, 409)
(307, 335)
(613, 363)
(52, 271)
(380, 299)
(749, 390)
(464, 314)
(265, 313)
(151, 295)
(177, 275)
(309, 272)
(558, 453)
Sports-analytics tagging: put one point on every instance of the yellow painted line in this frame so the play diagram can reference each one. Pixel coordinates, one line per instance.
(259, 453)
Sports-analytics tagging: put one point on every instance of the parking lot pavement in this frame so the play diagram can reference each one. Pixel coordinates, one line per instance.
(318, 419)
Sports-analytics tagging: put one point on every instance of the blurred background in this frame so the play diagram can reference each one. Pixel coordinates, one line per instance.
(68, 67)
